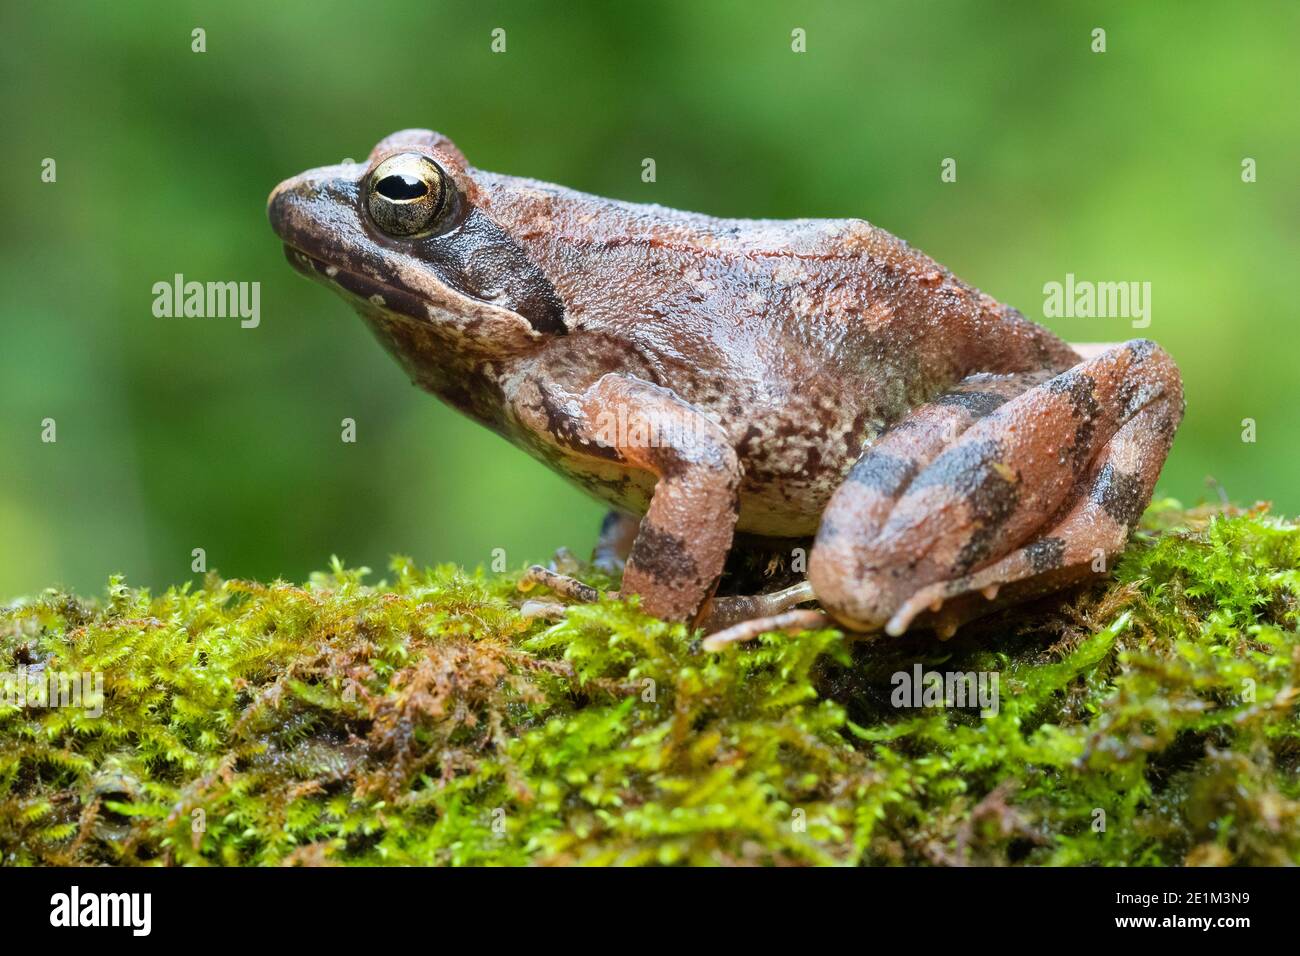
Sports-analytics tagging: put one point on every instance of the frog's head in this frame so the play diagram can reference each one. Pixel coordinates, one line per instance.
(406, 238)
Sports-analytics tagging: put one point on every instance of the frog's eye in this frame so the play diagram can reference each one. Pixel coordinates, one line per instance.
(406, 194)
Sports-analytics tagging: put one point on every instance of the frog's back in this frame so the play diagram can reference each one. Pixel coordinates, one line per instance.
(833, 285)
(803, 339)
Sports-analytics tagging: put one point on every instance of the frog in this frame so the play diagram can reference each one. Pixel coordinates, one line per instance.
(714, 378)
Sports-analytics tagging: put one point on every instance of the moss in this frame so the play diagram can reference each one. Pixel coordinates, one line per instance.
(1151, 720)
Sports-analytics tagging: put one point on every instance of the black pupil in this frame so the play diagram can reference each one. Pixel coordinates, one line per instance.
(401, 186)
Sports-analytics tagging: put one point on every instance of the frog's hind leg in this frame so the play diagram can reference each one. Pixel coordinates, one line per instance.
(877, 480)
(1026, 496)
(1081, 544)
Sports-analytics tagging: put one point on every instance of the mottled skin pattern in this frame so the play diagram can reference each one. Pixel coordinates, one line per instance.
(772, 377)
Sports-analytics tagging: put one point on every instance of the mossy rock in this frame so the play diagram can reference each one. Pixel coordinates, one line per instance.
(422, 720)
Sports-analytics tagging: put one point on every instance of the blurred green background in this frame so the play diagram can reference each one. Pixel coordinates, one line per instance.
(182, 433)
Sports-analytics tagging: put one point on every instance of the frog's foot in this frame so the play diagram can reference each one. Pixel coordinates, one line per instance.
(788, 622)
(724, 612)
(766, 612)
(1021, 496)
(617, 534)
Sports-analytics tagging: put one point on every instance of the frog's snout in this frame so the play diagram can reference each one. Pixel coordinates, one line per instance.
(311, 203)
(274, 196)
(289, 204)
(279, 205)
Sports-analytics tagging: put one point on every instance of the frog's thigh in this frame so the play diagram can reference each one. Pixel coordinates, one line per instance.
(683, 540)
(860, 507)
(862, 504)
(1038, 474)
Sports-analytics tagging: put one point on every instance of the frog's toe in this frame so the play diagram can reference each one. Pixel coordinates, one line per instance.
(561, 584)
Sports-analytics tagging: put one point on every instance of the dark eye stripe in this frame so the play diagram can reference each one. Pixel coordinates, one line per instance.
(480, 260)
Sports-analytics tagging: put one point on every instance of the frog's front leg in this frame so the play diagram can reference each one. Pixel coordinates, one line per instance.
(1030, 495)
(682, 542)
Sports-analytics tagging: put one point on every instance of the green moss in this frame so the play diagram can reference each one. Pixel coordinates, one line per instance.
(424, 721)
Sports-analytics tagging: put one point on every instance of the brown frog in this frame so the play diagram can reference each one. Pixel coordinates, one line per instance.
(706, 376)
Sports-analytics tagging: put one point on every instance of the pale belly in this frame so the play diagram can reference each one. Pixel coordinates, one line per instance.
(788, 506)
